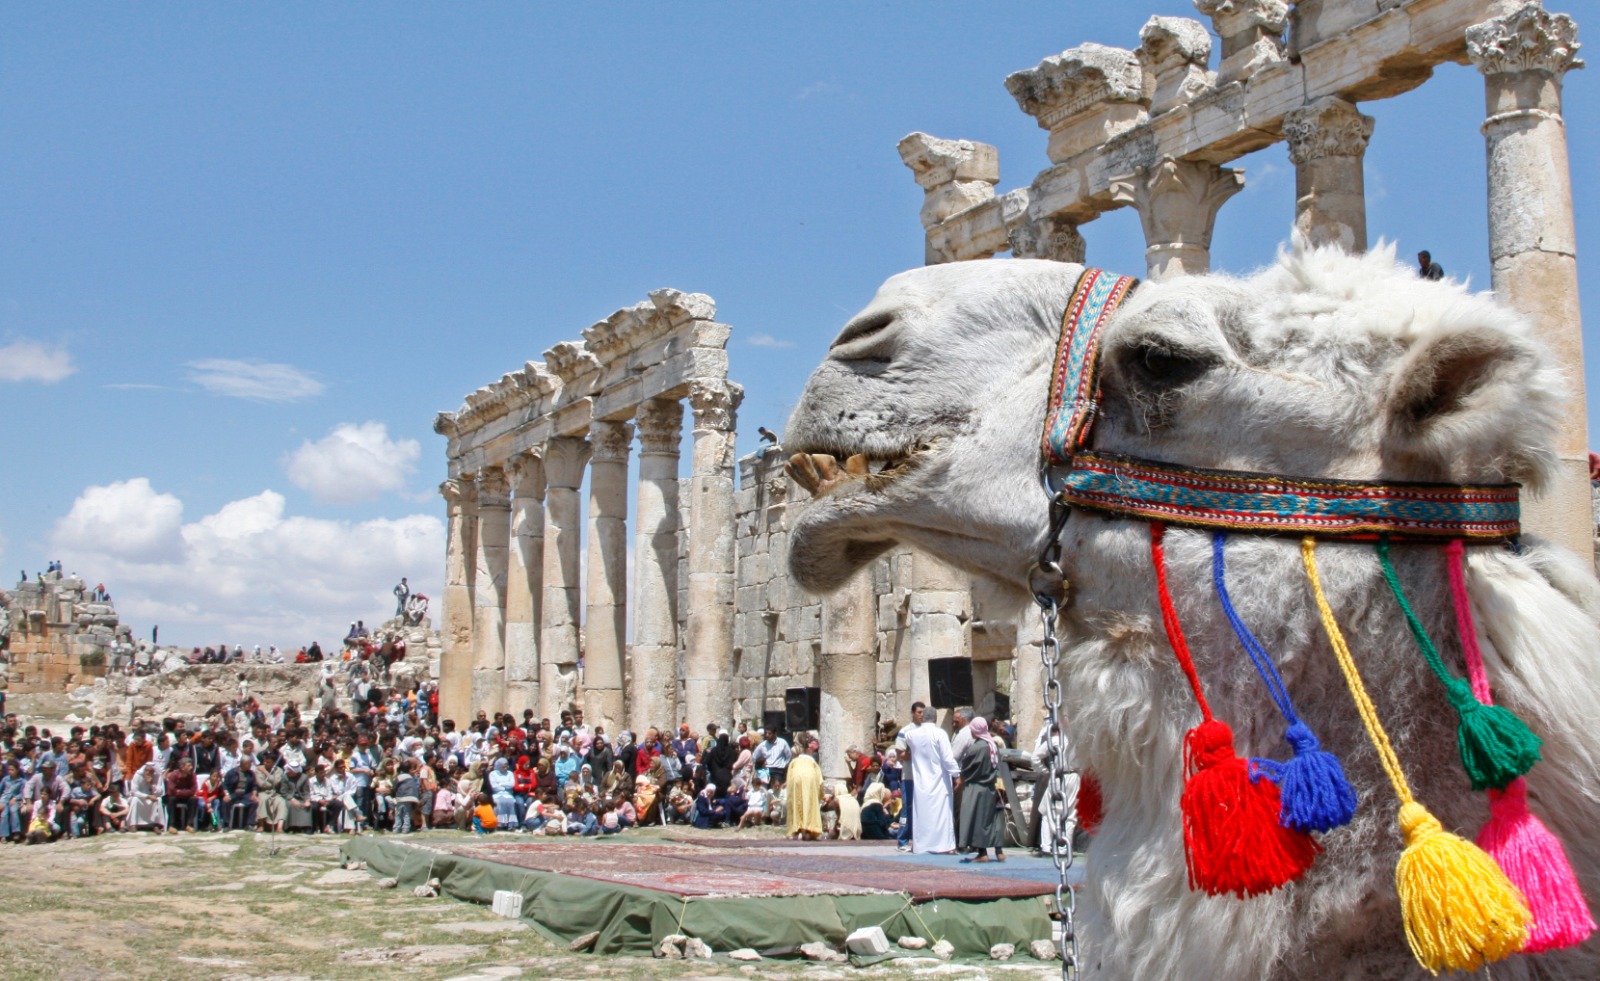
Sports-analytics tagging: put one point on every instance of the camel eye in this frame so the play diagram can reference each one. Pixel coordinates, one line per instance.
(1163, 367)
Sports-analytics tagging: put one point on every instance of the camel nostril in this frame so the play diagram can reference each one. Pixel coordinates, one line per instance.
(863, 328)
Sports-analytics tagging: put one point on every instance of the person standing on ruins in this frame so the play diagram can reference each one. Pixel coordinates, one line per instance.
(402, 593)
(1427, 268)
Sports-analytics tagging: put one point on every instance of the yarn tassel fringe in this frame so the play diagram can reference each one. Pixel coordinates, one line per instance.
(1533, 859)
(1496, 746)
(1233, 839)
(1460, 910)
(1316, 794)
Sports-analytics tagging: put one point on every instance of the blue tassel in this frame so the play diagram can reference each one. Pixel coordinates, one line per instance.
(1312, 787)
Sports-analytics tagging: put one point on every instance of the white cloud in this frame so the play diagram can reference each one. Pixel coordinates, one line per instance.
(126, 520)
(25, 360)
(767, 340)
(250, 573)
(354, 463)
(257, 380)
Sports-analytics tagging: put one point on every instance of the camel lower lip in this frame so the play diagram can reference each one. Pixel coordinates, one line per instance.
(821, 474)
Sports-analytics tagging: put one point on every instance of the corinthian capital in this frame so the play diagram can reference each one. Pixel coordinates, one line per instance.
(1329, 127)
(494, 491)
(1527, 39)
(660, 423)
(715, 405)
(610, 440)
(457, 492)
(564, 460)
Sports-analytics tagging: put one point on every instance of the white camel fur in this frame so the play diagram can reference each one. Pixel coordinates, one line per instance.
(1324, 364)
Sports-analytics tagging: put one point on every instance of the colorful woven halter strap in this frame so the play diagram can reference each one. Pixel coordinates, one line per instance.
(1227, 500)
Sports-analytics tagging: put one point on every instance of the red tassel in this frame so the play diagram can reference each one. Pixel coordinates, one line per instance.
(1232, 838)
(1091, 805)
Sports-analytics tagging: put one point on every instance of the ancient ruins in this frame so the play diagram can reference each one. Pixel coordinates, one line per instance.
(59, 634)
(717, 632)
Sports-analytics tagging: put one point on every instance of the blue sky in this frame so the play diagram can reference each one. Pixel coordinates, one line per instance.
(247, 252)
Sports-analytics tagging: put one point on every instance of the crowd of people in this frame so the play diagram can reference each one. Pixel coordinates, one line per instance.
(376, 759)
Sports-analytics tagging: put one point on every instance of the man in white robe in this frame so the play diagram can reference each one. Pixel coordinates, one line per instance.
(933, 767)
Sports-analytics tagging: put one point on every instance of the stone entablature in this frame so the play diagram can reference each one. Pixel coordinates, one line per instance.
(59, 637)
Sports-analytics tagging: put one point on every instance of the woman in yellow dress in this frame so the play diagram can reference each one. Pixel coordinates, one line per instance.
(804, 789)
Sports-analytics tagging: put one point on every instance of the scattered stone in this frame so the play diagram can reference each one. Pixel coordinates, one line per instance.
(913, 943)
(389, 882)
(493, 973)
(744, 954)
(340, 877)
(916, 962)
(224, 887)
(669, 950)
(944, 950)
(425, 892)
(269, 877)
(1043, 950)
(1002, 952)
(584, 942)
(696, 949)
(215, 961)
(819, 951)
(867, 942)
(420, 954)
(132, 850)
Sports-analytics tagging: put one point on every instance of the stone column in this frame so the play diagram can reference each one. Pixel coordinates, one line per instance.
(564, 460)
(524, 580)
(1053, 237)
(708, 656)
(1532, 243)
(455, 661)
(1251, 33)
(954, 175)
(1327, 141)
(489, 591)
(1027, 678)
(1178, 202)
(848, 672)
(605, 621)
(653, 658)
(941, 612)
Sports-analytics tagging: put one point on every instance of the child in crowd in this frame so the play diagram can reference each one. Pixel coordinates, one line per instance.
(113, 809)
(755, 812)
(483, 818)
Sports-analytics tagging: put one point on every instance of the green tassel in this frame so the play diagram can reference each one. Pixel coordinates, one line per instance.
(1496, 746)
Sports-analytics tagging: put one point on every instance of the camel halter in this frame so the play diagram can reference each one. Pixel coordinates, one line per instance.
(1248, 823)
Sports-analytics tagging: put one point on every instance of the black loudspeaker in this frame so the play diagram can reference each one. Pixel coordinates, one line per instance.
(949, 682)
(802, 709)
(772, 720)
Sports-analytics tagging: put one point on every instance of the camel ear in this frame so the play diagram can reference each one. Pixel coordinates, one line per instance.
(1478, 393)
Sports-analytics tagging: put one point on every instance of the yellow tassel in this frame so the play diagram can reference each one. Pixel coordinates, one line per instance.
(1460, 910)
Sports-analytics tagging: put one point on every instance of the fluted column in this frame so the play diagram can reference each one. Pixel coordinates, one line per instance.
(524, 578)
(564, 460)
(653, 663)
(1327, 143)
(455, 661)
(848, 672)
(606, 594)
(1178, 202)
(1524, 55)
(489, 591)
(708, 659)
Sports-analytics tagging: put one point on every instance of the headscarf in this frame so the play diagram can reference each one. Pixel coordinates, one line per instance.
(891, 758)
(502, 764)
(980, 730)
(877, 793)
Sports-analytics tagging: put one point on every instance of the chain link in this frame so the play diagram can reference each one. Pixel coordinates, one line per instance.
(1057, 815)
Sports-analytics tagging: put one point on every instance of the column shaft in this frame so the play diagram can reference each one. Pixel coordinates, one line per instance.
(653, 656)
(1532, 242)
(848, 673)
(455, 660)
(524, 581)
(941, 611)
(1327, 144)
(606, 604)
(564, 458)
(708, 659)
(489, 592)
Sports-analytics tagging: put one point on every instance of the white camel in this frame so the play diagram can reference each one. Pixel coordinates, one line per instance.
(923, 424)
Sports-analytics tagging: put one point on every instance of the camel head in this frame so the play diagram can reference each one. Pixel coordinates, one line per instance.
(923, 423)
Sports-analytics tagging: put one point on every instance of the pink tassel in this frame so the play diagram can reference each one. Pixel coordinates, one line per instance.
(1533, 859)
(1530, 856)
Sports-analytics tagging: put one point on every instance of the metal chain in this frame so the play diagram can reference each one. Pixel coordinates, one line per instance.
(1055, 809)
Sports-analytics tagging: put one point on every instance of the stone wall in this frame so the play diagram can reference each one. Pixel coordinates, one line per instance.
(58, 639)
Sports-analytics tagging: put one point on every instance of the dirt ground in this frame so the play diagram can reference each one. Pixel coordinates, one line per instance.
(246, 907)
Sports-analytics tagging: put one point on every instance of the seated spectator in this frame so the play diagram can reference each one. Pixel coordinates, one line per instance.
(145, 793)
(209, 798)
(484, 820)
(241, 795)
(113, 810)
(181, 797)
(620, 816)
(306, 799)
(13, 825)
(581, 822)
(755, 811)
(501, 788)
(707, 812)
(846, 811)
(445, 805)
